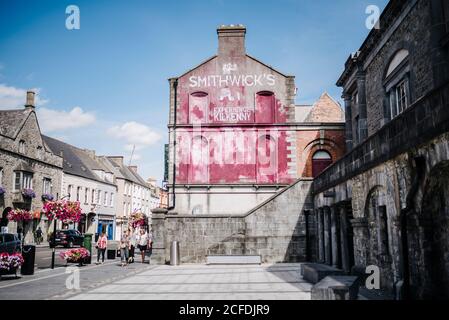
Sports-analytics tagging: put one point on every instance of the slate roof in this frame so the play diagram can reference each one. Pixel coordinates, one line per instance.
(76, 161)
(126, 173)
(12, 121)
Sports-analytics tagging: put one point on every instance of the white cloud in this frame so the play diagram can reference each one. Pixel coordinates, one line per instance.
(55, 120)
(135, 134)
(15, 98)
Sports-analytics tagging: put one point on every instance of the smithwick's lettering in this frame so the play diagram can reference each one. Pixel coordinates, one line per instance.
(248, 80)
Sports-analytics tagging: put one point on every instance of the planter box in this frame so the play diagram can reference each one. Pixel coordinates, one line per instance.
(8, 272)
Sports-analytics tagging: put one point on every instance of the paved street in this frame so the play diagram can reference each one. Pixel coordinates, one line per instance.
(51, 284)
(202, 282)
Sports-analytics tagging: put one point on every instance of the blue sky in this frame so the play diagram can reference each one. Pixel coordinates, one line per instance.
(104, 87)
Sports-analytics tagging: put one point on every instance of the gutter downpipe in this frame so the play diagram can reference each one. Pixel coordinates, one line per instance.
(175, 116)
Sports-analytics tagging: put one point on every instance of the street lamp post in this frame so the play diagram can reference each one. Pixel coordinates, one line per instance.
(53, 253)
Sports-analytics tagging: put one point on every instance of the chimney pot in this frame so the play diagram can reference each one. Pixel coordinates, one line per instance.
(30, 100)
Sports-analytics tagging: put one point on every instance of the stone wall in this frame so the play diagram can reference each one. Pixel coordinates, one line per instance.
(276, 230)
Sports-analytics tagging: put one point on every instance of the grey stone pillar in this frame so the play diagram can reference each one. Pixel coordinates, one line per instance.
(361, 91)
(319, 221)
(345, 264)
(158, 227)
(327, 237)
(335, 238)
(348, 121)
(361, 238)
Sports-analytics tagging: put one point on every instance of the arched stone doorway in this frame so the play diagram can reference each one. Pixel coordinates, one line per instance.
(378, 244)
(434, 225)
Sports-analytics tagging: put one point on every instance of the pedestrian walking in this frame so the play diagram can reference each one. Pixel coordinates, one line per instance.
(39, 235)
(143, 243)
(124, 248)
(101, 246)
(132, 245)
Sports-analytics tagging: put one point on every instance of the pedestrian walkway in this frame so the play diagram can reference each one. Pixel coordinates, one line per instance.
(51, 283)
(202, 282)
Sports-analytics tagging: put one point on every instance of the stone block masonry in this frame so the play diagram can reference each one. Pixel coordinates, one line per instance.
(275, 230)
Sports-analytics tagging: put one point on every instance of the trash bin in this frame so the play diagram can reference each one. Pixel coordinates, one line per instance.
(87, 243)
(29, 254)
(174, 254)
(112, 249)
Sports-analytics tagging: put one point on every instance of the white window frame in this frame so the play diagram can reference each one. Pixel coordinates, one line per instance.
(105, 199)
(111, 200)
(25, 180)
(86, 195)
(78, 194)
(22, 146)
(1, 176)
(47, 186)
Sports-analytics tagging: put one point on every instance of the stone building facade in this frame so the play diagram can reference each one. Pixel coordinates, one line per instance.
(236, 137)
(385, 203)
(26, 161)
(237, 146)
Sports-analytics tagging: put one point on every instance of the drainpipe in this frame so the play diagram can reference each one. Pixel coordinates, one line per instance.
(175, 98)
(420, 166)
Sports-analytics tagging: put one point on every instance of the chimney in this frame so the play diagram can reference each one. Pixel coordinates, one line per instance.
(118, 160)
(231, 40)
(133, 168)
(30, 100)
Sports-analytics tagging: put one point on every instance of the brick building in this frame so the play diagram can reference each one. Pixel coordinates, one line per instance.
(239, 136)
(385, 203)
(26, 161)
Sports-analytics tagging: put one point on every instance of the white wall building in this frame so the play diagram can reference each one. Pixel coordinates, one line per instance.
(91, 183)
(133, 193)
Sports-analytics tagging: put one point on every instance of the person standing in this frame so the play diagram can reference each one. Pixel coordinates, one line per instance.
(143, 243)
(102, 244)
(132, 245)
(124, 248)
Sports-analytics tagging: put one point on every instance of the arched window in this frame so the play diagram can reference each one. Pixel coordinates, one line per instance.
(397, 84)
(199, 160)
(198, 107)
(320, 161)
(398, 58)
(265, 107)
(266, 160)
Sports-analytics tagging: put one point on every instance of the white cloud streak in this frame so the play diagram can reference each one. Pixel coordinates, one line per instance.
(135, 134)
(55, 120)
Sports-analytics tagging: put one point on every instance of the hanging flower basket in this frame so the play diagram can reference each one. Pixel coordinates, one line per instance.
(28, 193)
(2, 191)
(66, 211)
(78, 255)
(47, 197)
(9, 263)
(19, 215)
(137, 219)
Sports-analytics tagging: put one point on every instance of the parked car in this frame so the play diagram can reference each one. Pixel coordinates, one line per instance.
(68, 238)
(10, 243)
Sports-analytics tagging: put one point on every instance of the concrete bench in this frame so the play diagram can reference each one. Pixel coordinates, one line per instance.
(233, 259)
(315, 272)
(336, 288)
